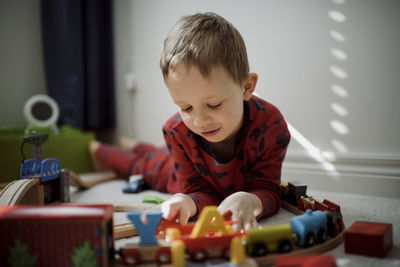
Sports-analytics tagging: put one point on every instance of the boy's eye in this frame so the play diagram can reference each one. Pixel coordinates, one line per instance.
(187, 109)
(214, 106)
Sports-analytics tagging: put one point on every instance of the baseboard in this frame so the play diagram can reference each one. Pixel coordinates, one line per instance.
(376, 175)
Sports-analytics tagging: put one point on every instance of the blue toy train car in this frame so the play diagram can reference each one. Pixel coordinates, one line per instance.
(310, 227)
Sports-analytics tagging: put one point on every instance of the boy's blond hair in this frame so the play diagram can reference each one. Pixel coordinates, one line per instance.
(205, 40)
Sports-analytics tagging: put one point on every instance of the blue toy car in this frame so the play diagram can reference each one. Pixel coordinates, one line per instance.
(136, 184)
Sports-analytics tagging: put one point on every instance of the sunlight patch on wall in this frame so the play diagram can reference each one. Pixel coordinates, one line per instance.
(339, 109)
(339, 91)
(323, 158)
(337, 36)
(339, 127)
(339, 54)
(339, 2)
(338, 71)
(339, 146)
(337, 16)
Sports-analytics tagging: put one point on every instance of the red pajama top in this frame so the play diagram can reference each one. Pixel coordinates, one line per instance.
(255, 168)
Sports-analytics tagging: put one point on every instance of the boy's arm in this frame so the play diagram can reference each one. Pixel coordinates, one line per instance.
(263, 179)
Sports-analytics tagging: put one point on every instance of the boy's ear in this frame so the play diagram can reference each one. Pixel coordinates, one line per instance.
(249, 85)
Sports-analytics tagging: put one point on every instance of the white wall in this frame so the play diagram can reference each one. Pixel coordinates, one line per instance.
(21, 64)
(332, 67)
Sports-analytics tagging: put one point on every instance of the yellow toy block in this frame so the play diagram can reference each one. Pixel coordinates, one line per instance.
(237, 251)
(210, 220)
(178, 253)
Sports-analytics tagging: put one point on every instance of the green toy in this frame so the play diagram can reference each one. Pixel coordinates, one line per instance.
(152, 199)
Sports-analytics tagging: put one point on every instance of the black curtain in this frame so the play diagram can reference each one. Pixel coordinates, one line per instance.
(78, 59)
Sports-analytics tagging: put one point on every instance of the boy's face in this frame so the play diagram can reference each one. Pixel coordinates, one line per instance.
(210, 107)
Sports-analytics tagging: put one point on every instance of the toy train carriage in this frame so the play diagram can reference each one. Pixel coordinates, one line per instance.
(310, 203)
(332, 210)
(295, 191)
(307, 203)
(310, 228)
(335, 218)
(149, 249)
(56, 235)
(198, 250)
(277, 238)
(186, 229)
(210, 237)
(135, 254)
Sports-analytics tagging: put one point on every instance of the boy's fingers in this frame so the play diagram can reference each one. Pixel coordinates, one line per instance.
(167, 211)
(255, 224)
(164, 213)
(251, 224)
(184, 216)
(171, 215)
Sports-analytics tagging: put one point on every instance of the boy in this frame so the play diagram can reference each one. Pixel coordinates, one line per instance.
(225, 146)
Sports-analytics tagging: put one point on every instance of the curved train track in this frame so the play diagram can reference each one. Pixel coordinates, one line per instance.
(14, 192)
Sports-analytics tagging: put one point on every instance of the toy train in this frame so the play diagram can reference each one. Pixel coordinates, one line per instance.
(217, 237)
(211, 237)
(295, 194)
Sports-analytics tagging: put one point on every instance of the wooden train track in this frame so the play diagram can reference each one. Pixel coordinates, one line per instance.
(18, 191)
(331, 243)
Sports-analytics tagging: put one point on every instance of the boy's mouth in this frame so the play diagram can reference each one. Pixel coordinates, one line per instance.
(210, 133)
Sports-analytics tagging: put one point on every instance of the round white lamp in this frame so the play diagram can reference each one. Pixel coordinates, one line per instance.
(41, 110)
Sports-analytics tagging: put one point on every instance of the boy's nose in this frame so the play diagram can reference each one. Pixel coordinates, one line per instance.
(200, 119)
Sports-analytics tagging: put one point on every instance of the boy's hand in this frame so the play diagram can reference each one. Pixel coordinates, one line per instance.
(179, 204)
(245, 208)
